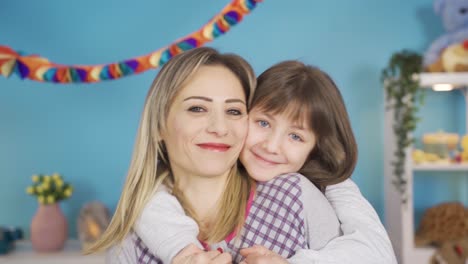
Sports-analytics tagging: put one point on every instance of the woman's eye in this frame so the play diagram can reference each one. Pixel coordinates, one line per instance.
(234, 112)
(263, 123)
(295, 137)
(196, 109)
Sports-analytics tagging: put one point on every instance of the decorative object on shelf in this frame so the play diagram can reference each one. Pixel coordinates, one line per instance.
(93, 220)
(464, 149)
(8, 236)
(442, 148)
(421, 157)
(454, 58)
(49, 227)
(453, 252)
(441, 144)
(41, 69)
(404, 97)
(442, 223)
(455, 20)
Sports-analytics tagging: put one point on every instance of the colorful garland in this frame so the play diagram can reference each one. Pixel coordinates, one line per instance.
(41, 69)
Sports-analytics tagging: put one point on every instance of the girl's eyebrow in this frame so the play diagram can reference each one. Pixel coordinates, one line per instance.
(211, 100)
(299, 127)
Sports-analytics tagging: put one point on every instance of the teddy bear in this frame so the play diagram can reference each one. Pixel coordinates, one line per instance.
(449, 52)
(446, 227)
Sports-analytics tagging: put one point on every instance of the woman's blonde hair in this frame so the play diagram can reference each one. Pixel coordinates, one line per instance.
(150, 167)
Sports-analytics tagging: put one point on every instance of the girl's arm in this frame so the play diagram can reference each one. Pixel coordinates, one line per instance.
(364, 238)
(164, 227)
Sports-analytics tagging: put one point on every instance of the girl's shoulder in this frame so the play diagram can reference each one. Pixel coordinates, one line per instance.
(294, 184)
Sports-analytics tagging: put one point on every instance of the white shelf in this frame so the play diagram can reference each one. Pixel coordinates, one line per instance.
(71, 254)
(421, 255)
(458, 79)
(441, 167)
(399, 216)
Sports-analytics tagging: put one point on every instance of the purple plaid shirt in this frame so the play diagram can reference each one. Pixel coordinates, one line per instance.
(275, 220)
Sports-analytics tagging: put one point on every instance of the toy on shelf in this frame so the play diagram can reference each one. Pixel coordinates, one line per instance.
(453, 252)
(446, 227)
(464, 149)
(449, 50)
(454, 58)
(442, 148)
(438, 147)
(8, 236)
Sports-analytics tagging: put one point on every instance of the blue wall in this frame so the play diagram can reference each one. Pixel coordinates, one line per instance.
(86, 132)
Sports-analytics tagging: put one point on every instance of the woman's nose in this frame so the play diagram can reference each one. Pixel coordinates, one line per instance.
(218, 124)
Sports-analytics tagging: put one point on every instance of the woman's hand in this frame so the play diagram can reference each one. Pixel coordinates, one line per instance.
(261, 255)
(194, 255)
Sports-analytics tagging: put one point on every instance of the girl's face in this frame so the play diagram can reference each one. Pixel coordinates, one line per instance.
(275, 145)
(207, 124)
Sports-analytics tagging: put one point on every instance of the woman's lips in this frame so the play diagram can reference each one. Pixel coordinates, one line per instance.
(218, 147)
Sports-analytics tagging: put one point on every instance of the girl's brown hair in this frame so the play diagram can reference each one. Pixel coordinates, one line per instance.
(306, 93)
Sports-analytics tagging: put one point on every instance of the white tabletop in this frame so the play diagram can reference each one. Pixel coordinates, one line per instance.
(71, 254)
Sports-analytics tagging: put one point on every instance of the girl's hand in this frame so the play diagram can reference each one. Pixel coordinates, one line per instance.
(194, 255)
(261, 255)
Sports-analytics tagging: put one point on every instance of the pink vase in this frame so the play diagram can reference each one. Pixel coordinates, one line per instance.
(49, 228)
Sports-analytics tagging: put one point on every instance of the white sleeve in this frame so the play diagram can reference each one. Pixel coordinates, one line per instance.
(164, 227)
(320, 220)
(364, 238)
(122, 253)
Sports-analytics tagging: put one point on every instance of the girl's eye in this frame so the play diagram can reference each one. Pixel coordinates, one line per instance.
(263, 123)
(196, 109)
(234, 112)
(295, 137)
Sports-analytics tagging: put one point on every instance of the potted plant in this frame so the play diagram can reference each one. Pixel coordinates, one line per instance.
(49, 228)
(404, 97)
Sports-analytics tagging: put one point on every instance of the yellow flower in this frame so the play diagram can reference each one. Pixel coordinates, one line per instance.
(50, 199)
(30, 190)
(39, 189)
(56, 176)
(45, 186)
(68, 192)
(47, 178)
(58, 183)
(35, 178)
(41, 199)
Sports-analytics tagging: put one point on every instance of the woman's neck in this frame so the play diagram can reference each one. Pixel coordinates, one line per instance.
(203, 194)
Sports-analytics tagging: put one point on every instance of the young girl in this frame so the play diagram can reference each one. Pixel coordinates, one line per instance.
(298, 122)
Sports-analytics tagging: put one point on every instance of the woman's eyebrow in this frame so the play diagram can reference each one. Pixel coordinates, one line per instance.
(199, 98)
(211, 100)
(235, 101)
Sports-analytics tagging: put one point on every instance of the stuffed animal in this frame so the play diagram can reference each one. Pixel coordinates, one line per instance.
(454, 58)
(446, 227)
(452, 252)
(442, 223)
(454, 15)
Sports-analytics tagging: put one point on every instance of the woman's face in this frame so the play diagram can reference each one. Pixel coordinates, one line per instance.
(275, 145)
(207, 124)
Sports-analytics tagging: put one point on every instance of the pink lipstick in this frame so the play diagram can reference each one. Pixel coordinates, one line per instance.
(218, 147)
